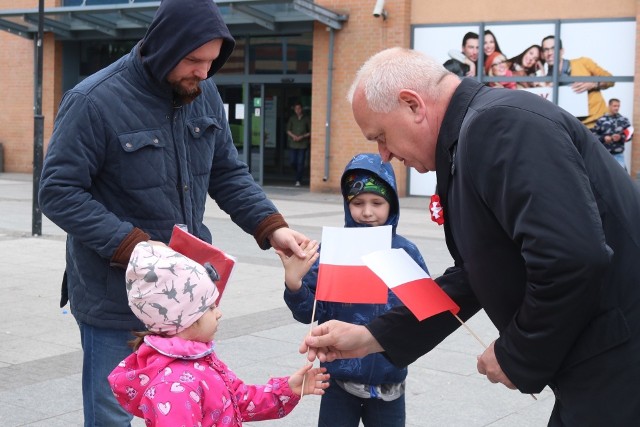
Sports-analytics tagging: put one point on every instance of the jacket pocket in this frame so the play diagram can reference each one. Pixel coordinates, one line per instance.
(606, 331)
(142, 163)
(203, 132)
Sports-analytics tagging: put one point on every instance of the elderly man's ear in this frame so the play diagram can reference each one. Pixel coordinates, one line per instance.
(413, 101)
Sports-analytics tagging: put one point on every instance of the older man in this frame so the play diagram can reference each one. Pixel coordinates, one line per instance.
(543, 229)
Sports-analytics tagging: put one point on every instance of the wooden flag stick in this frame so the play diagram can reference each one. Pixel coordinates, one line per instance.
(313, 317)
(479, 340)
(470, 331)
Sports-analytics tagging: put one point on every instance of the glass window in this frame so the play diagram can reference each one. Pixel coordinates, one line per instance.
(235, 63)
(95, 55)
(281, 55)
(522, 55)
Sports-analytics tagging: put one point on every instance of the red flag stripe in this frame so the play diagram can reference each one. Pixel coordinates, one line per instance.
(350, 284)
(424, 298)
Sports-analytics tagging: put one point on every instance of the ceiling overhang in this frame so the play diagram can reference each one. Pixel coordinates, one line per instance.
(130, 19)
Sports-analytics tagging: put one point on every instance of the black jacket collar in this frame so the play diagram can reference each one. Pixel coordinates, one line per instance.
(446, 149)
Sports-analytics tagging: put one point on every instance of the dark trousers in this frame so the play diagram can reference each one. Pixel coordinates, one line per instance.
(341, 409)
(298, 157)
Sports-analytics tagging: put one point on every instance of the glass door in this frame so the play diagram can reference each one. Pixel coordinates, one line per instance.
(234, 107)
(258, 115)
(244, 105)
(255, 114)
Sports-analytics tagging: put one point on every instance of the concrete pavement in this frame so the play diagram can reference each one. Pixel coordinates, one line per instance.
(40, 354)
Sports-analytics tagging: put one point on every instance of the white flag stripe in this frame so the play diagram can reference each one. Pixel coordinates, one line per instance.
(394, 266)
(345, 246)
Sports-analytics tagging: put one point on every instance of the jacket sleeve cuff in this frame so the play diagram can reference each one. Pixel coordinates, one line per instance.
(121, 256)
(266, 229)
(301, 295)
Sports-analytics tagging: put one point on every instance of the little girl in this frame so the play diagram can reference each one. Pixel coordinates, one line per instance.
(174, 377)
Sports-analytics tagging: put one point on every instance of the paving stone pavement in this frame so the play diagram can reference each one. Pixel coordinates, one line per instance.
(40, 354)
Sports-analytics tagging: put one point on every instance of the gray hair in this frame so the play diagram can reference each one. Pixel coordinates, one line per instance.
(387, 72)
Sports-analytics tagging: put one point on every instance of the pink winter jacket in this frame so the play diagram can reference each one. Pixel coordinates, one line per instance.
(173, 382)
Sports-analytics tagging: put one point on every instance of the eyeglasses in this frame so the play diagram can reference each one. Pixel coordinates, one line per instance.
(495, 64)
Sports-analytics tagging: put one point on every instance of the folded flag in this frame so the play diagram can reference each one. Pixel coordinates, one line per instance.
(342, 275)
(218, 264)
(413, 286)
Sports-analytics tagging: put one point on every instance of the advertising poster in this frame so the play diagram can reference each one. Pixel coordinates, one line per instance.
(596, 48)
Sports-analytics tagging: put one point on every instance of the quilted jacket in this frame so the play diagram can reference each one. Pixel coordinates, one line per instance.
(125, 153)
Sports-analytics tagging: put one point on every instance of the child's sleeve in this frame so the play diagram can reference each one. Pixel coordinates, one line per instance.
(265, 402)
(301, 302)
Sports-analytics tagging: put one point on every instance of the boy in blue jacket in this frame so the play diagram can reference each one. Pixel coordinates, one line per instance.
(370, 389)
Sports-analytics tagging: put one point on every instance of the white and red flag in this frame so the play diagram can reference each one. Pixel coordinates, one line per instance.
(342, 275)
(413, 286)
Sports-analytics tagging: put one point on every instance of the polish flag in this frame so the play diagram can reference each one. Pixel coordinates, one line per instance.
(342, 275)
(412, 285)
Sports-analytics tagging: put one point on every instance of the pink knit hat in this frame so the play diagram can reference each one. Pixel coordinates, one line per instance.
(166, 290)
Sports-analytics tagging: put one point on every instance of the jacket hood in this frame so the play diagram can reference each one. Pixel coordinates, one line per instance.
(373, 163)
(178, 28)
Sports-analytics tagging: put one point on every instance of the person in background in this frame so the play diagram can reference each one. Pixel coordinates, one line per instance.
(370, 389)
(496, 65)
(299, 133)
(612, 131)
(490, 44)
(562, 294)
(579, 67)
(174, 377)
(136, 148)
(463, 63)
(527, 64)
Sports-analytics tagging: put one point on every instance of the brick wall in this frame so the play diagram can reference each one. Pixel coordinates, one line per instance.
(17, 71)
(361, 36)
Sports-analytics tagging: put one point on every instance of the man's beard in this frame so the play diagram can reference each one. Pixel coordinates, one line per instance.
(184, 91)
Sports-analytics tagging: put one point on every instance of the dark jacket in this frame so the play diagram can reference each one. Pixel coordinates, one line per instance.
(374, 369)
(609, 125)
(545, 233)
(124, 153)
(458, 68)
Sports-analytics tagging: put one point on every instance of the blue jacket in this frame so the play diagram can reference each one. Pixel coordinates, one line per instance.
(125, 153)
(374, 369)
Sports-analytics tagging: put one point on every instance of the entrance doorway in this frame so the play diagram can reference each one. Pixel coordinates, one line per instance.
(258, 123)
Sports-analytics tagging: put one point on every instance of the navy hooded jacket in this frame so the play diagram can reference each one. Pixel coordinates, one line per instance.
(126, 154)
(374, 369)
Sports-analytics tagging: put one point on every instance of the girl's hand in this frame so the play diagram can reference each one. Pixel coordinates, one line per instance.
(295, 267)
(315, 380)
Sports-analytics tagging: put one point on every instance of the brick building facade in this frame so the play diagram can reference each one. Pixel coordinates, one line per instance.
(361, 36)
